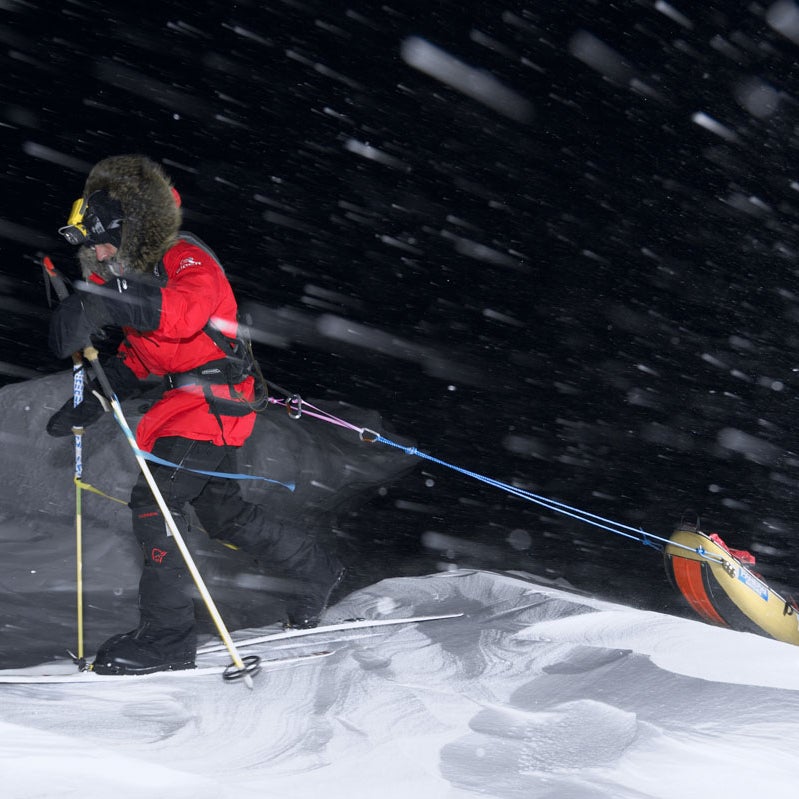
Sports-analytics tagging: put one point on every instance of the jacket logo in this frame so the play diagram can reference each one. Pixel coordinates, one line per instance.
(187, 262)
(158, 555)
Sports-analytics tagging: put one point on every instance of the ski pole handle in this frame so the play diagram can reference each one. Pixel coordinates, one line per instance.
(56, 281)
(61, 291)
(92, 356)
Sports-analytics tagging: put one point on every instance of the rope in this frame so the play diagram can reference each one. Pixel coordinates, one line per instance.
(601, 522)
(297, 407)
(81, 484)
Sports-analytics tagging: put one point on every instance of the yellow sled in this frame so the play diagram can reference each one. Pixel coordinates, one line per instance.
(723, 591)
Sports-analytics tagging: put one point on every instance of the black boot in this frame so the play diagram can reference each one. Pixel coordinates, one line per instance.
(303, 611)
(146, 650)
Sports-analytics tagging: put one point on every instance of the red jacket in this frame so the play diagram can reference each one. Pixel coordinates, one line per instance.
(196, 291)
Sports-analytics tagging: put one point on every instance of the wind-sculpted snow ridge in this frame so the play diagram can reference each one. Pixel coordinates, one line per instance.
(534, 692)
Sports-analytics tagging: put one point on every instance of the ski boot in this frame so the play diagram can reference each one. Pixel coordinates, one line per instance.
(146, 650)
(304, 612)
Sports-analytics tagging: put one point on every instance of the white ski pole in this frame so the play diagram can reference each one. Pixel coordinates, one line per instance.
(242, 669)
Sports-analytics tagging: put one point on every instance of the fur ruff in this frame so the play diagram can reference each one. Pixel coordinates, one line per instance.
(152, 217)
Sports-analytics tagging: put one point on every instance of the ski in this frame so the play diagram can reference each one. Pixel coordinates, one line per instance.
(350, 624)
(64, 671)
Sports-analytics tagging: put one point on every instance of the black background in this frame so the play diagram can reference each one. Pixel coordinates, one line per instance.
(597, 302)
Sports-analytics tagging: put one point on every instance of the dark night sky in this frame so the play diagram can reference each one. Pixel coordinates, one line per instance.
(590, 289)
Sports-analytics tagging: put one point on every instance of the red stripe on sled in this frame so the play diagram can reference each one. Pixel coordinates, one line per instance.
(688, 576)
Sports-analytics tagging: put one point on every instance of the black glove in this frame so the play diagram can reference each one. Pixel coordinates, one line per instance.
(131, 301)
(127, 302)
(68, 416)
(125, 385)
(73, 322)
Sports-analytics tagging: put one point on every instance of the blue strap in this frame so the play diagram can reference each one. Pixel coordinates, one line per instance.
(122, 422)
(228, 475)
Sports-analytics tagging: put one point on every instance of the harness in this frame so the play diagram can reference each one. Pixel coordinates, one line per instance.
(238, 364)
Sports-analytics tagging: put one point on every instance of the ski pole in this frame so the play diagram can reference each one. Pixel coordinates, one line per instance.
(77, 399)
(241, 669)
(78, 380)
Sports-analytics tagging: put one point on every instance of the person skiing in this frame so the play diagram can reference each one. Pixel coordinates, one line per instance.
(178, 315)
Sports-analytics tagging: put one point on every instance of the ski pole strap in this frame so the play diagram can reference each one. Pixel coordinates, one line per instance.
(88, 487)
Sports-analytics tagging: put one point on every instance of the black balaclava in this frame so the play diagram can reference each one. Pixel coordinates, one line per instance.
(103, 219)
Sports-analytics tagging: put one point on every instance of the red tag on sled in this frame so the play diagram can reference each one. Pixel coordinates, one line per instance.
(741, 555)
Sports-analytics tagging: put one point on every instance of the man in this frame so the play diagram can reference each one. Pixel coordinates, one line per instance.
(178, 315)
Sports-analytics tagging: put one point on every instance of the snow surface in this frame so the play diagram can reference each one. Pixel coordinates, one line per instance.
(535, 692)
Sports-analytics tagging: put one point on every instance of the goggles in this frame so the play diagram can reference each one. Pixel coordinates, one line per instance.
(75, 231)
(97, 220)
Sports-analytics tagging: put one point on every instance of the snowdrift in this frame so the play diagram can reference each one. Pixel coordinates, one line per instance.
(535, 692)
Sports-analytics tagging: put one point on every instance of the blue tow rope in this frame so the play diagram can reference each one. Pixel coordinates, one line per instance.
(633, 533)
(617, 528)
(297, 408)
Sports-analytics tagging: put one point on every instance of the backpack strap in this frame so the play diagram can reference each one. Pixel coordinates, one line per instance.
(238, 363)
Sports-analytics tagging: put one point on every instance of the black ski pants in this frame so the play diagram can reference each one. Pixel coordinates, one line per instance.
(280, 548)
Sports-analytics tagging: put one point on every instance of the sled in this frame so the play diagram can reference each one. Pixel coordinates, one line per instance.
(724, 591)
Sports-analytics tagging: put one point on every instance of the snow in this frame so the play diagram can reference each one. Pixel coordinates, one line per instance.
(536, 691)
(475, 83)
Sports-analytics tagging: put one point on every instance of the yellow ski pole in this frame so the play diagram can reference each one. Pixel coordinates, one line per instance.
(239, 668)
(77, 396)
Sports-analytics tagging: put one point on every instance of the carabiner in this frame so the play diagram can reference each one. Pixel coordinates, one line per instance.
(294, 406)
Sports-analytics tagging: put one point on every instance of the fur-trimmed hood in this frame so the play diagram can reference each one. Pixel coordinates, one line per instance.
(151, 212)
